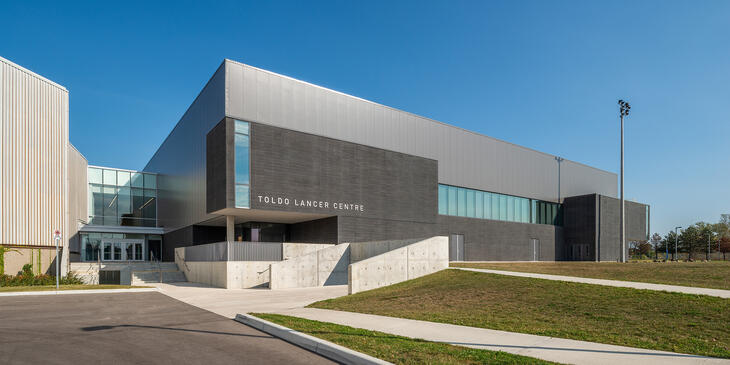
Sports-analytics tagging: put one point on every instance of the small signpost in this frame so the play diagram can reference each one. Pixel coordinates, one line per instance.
(57, 238)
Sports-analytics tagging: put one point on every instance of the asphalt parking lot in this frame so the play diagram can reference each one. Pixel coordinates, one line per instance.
(131, 328)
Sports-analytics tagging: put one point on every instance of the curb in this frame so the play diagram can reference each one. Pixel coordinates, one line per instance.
(88, 291)
(327, 349)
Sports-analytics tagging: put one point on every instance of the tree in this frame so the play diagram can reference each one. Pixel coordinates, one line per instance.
(668, 242)
(656, 240)
(690, 240)
(724, 245)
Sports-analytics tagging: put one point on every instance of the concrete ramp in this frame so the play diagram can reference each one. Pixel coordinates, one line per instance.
(409, 262)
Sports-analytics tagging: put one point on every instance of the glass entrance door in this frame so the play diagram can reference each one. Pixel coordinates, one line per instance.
(122, 249)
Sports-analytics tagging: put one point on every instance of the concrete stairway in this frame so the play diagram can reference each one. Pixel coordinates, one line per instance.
(148, 277)
(150, 272)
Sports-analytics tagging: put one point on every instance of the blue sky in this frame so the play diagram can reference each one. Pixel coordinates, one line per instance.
(543, 74)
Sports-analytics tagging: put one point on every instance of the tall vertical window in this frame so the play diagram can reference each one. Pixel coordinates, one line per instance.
(242, 162)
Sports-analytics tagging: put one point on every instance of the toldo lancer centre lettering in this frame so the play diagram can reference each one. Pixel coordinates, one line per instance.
(320, 204)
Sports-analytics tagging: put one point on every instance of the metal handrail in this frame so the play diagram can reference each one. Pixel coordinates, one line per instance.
(159, 265)
(177, 255)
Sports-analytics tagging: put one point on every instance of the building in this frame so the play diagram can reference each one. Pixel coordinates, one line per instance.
(35, 169)
(261, 157)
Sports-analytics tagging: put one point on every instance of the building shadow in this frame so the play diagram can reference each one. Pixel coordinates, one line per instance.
(108, 327)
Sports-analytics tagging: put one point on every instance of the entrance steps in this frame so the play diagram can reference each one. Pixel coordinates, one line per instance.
(131, 273)
(148, 277)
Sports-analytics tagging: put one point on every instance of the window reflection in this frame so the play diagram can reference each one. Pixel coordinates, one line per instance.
(242, 160)
(124, 198)
(473, 203)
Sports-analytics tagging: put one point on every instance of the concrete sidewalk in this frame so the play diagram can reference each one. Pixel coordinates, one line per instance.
(617, 283)
(229, 302)
(547, 348)
(80, 291)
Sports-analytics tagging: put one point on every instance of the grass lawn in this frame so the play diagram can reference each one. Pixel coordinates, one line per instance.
(694, 324)
(713, 274)
(5, 289)
(397, 349)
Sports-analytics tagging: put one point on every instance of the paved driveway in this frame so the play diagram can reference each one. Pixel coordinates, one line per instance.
(131, 328)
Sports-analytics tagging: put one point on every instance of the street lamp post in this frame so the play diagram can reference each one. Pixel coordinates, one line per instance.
(624, 108)
(708, 245)
(676, 238)
(559, 159)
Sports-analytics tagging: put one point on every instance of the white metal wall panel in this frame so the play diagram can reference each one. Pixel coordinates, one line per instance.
(465, 158)
(33, 159)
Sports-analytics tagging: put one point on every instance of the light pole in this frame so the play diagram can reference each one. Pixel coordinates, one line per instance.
(559, 159)
(676, 238)
(624, 108)
(708, 245)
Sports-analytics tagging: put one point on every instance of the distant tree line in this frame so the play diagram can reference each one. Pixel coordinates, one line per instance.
(692, 241)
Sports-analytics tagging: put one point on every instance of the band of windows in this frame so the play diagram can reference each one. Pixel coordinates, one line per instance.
(470, 203)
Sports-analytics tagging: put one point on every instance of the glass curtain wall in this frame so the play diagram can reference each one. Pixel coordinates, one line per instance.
(242, 162)
(91, 246)
(470, 203)
(122, 198)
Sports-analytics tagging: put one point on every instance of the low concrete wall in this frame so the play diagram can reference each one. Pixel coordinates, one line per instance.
(327, 266)
(412, 261)
(224, 274)
(364, 250)
(291, 250)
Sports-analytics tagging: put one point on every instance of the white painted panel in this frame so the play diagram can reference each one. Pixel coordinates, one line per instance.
(33, 159)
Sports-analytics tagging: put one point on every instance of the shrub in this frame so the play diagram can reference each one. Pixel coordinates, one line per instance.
(26, 278)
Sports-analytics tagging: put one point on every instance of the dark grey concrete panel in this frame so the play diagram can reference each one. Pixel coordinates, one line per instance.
(609, 223)
(359, 229)
(132, 328)
(490, 240)
(317, 231)
(380, 184)
(216, 166)
(580, 223)
(178, 238)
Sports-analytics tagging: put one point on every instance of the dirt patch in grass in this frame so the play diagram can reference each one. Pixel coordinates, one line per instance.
(713, 274)
(397, 349)
(693, 324)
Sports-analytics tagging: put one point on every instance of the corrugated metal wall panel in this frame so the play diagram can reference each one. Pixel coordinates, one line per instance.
(465, 158)
(33, 174)
(180, 160)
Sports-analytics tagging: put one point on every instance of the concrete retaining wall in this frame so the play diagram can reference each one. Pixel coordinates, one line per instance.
(412, 261)
(327, 266)
(364, 250)
(292, 250)
(224, 274)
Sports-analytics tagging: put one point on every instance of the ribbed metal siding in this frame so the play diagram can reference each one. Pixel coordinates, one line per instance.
(180, 160)
(465, 158)
(235, 251)
(33, 160)
(255, 251)
(209, 252)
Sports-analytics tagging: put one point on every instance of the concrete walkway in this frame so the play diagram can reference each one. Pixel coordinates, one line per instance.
(547, 348)
(80, 291)
(618, 283)
(229, 302)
